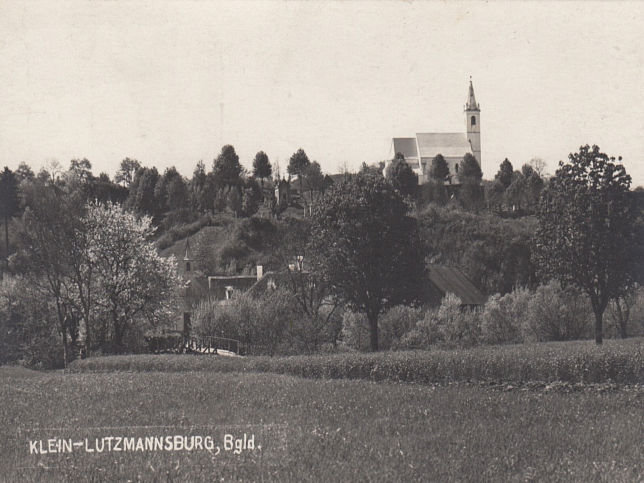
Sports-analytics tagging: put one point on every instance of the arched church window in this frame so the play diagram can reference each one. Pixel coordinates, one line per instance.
(473, 121)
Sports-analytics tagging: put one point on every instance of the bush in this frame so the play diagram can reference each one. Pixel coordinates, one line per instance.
(556, 313)
(451, 325)
(395, 323)
(267, 325)
(29, 327)
(502, 316)
(630, 312)
(355, 331)
(165, 343)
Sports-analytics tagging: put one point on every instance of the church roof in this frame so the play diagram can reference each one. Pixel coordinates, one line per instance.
(447, 144)
(406, 146)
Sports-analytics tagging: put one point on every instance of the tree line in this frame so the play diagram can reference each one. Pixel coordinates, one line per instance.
(367, 239)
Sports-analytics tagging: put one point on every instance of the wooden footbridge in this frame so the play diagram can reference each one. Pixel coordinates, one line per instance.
(177, 342)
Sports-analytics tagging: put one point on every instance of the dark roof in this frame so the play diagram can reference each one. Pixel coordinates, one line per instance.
(273, 280)
(217, 284)
(453, 280)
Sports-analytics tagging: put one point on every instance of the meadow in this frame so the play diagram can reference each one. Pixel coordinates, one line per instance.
(334, 424)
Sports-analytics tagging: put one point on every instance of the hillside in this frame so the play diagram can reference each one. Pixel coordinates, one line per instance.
(237, 245)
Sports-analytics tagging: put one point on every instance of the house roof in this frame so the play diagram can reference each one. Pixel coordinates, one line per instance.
(447, 144)
(272, 280)
(453, 280)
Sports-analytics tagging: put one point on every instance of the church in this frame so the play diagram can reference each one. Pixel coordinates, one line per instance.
(421, 149)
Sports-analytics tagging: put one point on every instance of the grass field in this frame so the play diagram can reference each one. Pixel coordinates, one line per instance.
(314, 430)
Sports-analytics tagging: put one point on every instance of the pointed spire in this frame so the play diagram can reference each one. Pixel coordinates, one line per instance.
(187, 255)
(471, 100)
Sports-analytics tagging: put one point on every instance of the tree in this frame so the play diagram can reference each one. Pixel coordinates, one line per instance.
(80, 170)
(47, 242)
(470, 172)
(494, 191)
(8, 202)
(439, 170)
(133, 283)
(126, 172)
(297, 165)
(504, 175)
(470, 176)
(226, 168)
(533, 186)
(585, 235)
(234, 201)
(171, 192)
(539, 165)
(251, 197)
(365, 246)
(23, 172)
(201, 189)
(515, 193)
(314, 179)
(262, 167)
(141, 198)
(402, 177)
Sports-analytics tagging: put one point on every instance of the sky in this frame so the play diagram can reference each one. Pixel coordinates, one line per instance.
(169, 83)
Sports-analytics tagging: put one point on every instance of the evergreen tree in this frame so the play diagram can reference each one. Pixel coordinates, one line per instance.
(226, 168)
(297, 166)
(262, 167)
(504, 174)
(439, 170)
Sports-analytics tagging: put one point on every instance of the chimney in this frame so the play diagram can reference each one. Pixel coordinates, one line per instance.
(260, 271)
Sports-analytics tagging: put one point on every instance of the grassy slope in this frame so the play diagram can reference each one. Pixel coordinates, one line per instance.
(334, 430)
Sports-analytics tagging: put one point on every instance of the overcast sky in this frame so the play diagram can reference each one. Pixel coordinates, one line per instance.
(170, 83)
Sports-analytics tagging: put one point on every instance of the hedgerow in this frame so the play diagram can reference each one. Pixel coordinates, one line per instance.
(574, 362)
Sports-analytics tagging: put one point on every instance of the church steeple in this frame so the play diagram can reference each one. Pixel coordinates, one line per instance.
(471, 100)
(473, 123)
(187, 259)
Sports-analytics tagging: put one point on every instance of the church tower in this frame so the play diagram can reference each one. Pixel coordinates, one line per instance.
(473, 123)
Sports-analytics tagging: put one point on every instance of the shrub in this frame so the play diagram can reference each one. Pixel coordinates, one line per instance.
(556, 313)
(459, 326)
(425, 334)
(451, 325)
(630, 312)
(267, 325)
(502, 316)
(355, 331)
(29, 327)
(164, 343)
(395, 323)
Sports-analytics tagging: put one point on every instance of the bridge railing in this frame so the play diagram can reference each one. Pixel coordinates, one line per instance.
(209, 344)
